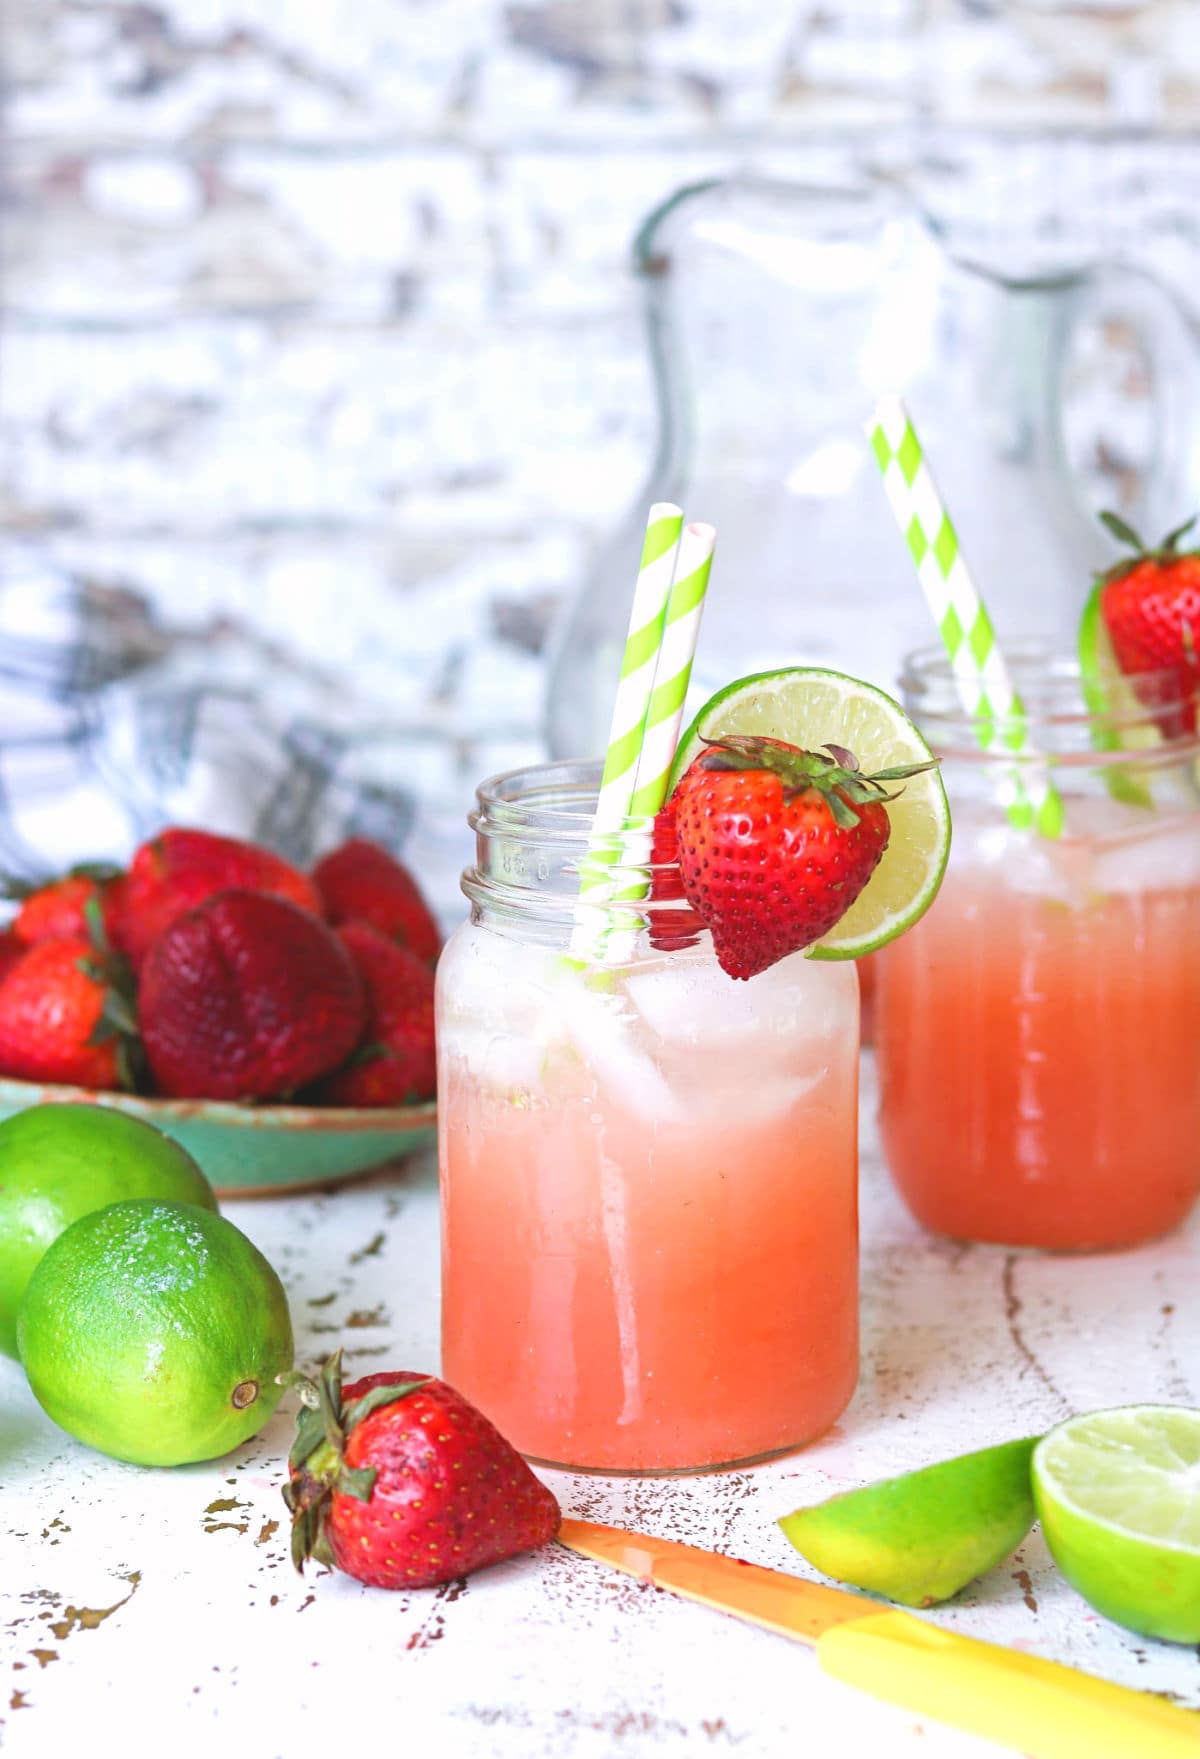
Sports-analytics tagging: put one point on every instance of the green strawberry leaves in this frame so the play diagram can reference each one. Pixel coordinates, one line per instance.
(1122, 531)
(834, 772)
(316, 1463)
(376, 1399)
(1167, 550)
(118, 1016)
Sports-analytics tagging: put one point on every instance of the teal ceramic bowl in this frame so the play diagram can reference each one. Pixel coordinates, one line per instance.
(254, 1151)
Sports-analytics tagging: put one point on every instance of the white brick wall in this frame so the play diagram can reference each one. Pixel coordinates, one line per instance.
(319, 314)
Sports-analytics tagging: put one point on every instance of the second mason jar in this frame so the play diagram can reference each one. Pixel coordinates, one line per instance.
(1038, 1032)
(649, 1222)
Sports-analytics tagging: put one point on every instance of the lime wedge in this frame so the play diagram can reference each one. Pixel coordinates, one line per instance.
(809, 707)
(1118, 1496)
(921, 1537)
(1109, 694)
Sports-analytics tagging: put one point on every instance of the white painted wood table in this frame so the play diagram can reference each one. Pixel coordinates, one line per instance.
(159, 1609)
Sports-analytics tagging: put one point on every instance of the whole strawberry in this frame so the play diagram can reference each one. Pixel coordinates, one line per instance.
(180, 868)
(247, 997)
(59, 910)
(395, 1062)
(400, 1482)
(67, 1016)
(1151, 608)
(360, 882)
(776, 843)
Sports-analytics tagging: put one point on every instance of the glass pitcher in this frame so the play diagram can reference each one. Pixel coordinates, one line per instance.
(777, 314)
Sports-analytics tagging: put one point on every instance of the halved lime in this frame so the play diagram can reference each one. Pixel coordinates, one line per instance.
(808, 707)
(921, 1537)
(1118, 1496)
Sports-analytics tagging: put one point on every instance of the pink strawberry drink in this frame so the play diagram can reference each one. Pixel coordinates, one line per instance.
(1038, 1032)
(1055, 989)
(648, 1171)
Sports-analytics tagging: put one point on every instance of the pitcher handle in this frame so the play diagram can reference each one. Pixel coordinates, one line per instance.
(1168, 485)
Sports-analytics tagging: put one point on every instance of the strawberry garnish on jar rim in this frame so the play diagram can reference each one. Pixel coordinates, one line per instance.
(1150, 604)
(775, 842)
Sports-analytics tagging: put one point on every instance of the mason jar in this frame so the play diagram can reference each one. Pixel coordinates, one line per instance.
(1038, 1032)
(648, 1170)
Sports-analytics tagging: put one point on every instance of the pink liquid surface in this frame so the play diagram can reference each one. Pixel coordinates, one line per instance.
(636, 1293)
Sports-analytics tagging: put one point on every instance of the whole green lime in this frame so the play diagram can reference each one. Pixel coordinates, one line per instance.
(154, 1332)
(57, 1162)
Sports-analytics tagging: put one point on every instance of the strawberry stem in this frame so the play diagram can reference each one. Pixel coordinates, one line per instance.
(316, 1464)
(834, 772)
(1170, 543)
(1166, 551)
(118, 1015)
(1122, 531)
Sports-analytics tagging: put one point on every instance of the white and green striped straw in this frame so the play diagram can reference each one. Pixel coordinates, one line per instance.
(639, 663)
(981, 674)
(660, 736)
(681, 630)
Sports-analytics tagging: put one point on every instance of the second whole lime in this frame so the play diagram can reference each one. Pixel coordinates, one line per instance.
(155, 1332)
(58, 1162)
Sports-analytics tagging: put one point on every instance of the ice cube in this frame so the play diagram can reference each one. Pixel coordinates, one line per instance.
(502, 1062)
(1016, 861)
(1165, 857)
(691, 1002)
(488, 977)
(605, 1031)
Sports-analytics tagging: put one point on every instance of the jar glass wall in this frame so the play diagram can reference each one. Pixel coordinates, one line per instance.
(1038, 1032)
(649, 1171)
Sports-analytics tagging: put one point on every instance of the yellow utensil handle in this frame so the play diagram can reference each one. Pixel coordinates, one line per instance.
(1036, 1706)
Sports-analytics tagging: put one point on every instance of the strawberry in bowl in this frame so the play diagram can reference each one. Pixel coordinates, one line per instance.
(276, 1049)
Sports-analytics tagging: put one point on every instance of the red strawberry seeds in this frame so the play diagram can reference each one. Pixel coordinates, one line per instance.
(180, 868)
(247, 997)
(1151, 608)
(395, 1062)
(62, 1020)
(400, 1482)
(59, 911)
(775, 844)
(360, 882)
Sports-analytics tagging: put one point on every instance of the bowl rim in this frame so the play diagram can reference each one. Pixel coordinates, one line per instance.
(234, 1113)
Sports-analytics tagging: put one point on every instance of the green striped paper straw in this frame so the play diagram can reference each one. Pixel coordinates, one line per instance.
(639, 664)
(981, 674)
(681, 630)
(685, 607)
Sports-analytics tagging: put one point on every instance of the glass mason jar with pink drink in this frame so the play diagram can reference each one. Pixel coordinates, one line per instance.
(1038, 1031)
(648, 1170)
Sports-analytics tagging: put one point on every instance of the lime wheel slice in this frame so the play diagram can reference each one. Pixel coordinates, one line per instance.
(809, 707)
